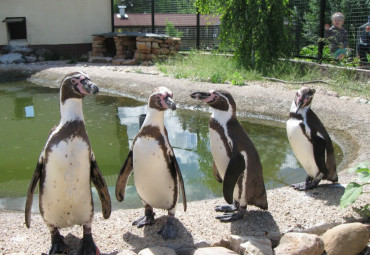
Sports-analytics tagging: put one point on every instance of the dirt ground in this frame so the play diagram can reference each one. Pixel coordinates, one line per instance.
(347, 121)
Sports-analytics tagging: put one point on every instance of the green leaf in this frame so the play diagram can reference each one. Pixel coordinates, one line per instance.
(351, 193)
(364, 211)
(361, 165)
(364, 177)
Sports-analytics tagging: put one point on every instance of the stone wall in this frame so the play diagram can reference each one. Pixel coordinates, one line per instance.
(133, 49)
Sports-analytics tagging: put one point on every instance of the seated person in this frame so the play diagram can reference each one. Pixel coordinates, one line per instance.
(363, 47)
(337, 36)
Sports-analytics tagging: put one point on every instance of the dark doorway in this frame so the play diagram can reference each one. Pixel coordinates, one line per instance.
(16, 28)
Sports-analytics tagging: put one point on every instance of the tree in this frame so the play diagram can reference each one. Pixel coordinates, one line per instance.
(255, 30)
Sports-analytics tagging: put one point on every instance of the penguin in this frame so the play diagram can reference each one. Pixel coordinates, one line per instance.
(310, 141)
(65, 169)
(157, 175)
(236, 162)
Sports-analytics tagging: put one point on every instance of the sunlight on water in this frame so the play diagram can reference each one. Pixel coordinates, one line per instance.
(28, 112)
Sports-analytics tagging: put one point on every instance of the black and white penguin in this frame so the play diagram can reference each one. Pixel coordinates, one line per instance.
(236, 162)
(310, 142)
(65, 169)
(157, 175)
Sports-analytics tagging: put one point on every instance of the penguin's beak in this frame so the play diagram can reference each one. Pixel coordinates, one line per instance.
(299, 105)
(170, 103)
(89, 86)
(200, 95)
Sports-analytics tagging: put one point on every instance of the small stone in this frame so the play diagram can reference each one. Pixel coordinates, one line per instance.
(158, 250)
(201, 244)
(362, 101)
(332, 93)
(213, 251)
(346, 239)
(300, 244)
(345, 98)
(222, 243)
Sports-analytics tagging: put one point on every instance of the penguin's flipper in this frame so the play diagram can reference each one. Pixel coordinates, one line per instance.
(234, 169)
(31, 188)
(175, 165)
(319, 146)
(216, 174)
(101, 187)
(123, 175)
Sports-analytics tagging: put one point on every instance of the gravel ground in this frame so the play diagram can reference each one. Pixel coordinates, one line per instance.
(346, 120)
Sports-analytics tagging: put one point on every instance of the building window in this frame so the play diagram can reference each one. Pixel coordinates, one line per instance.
(16, 28)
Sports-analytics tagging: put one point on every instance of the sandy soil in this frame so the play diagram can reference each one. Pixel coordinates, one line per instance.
(346, 120)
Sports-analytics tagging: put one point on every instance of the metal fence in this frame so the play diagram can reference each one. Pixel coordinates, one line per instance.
(308, 20)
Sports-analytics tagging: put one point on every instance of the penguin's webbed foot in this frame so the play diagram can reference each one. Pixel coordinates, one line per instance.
(169, 229)
(58, 246)
(145, 220)
(228, 217)
(226, 208)
(310, 183)
(88, 246)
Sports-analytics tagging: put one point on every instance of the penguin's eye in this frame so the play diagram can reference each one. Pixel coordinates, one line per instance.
(74, 81)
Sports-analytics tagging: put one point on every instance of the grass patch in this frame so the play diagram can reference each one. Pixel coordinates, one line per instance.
(217, 68)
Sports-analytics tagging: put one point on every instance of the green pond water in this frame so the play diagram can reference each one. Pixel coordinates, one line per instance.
(28, 112)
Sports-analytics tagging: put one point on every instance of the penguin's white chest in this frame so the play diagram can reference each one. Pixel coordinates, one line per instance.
(221, 159)
(66, 198)
(152, 176)
(219, 152)
(302, 147)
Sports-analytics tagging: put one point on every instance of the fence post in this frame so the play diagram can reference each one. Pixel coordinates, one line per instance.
(198, 29)
(321, 29)
(153, 27)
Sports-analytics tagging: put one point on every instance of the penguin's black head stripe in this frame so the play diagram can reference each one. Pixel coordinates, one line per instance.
(161, 99)
(76, 85)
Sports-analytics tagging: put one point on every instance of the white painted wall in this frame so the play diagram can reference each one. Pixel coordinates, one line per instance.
(53, 22)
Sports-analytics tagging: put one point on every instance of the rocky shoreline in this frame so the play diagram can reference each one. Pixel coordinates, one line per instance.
(289, 211)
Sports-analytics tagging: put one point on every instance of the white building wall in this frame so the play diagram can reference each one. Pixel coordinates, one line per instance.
(53, 22)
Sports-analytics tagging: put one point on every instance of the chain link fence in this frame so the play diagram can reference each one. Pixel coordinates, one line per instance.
(202, 31)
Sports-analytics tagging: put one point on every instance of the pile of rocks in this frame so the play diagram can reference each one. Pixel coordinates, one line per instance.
(22, 54)
(129, 50)
(345, 239)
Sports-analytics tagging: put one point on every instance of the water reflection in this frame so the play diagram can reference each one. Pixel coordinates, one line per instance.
(112, 122)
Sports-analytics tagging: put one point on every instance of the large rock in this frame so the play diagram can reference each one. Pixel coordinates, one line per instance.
(346, 239)
(300, 244)
(158, 250)
(25, 51)
(11, 58)
(250, 244)
(126, 252)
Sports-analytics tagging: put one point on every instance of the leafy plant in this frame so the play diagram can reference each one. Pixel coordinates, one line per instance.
(254, 29)
(354, 189)
(171, 30)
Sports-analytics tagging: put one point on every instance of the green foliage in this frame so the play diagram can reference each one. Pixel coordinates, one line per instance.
(312, 51)
(254, 29)
(220, 68)
(172, 31)
(213, 68)
(354, 190)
